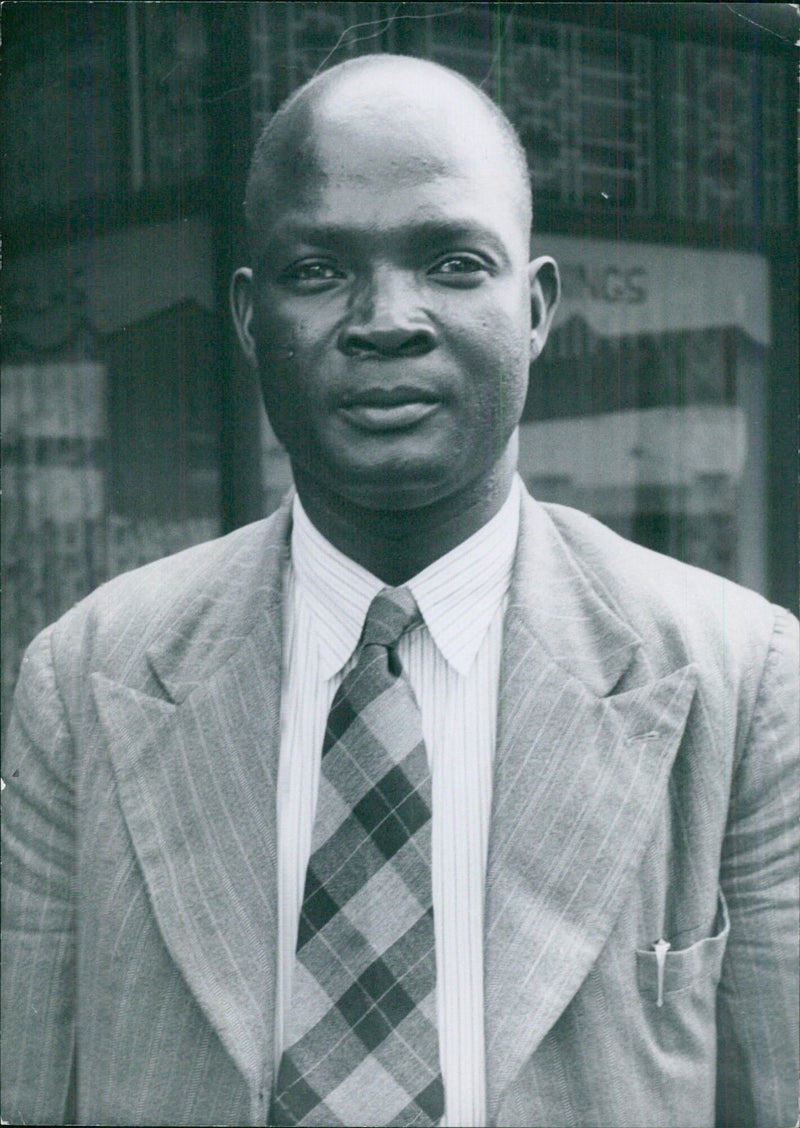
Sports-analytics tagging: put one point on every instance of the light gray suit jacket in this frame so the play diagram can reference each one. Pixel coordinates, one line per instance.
(643, 788)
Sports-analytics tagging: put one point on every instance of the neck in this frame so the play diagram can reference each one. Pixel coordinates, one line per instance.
(395, 545)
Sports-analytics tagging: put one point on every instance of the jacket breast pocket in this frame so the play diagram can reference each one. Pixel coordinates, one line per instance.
(700, 963)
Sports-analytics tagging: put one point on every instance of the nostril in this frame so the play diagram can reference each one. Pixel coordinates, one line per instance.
(355, 344)
(417, 344)
(386, 342)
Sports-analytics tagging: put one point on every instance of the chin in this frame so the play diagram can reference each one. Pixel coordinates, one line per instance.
(396, 491)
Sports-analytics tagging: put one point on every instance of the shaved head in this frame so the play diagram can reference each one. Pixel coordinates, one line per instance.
(379, 92)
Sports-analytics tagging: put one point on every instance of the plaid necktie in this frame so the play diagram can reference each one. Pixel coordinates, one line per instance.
(362, 1041)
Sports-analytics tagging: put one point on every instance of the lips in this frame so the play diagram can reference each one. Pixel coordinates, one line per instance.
(389, 409)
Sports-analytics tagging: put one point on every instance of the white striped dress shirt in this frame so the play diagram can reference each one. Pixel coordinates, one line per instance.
(453, 664)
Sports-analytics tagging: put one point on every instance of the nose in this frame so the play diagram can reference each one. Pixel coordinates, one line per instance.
(385, 320)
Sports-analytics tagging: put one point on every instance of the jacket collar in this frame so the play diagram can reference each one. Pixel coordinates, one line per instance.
(196, 775)
(555, 600)
(565, 610)
(240, 600)
(580, 772)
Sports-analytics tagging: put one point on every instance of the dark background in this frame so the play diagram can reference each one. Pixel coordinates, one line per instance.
(130, 426)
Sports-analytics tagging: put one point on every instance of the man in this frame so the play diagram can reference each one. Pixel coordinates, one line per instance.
(602, 872)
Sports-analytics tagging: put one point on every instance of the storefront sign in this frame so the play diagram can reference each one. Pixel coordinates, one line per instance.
(620, 289)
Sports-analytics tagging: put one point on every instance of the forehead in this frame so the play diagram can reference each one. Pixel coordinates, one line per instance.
(369, 146)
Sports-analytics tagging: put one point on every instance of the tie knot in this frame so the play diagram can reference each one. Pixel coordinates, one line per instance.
(390, 614)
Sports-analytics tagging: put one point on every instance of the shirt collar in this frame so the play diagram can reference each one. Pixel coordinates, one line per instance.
(457, 594)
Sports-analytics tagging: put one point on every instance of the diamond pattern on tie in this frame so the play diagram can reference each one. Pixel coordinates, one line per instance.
(362, 1044)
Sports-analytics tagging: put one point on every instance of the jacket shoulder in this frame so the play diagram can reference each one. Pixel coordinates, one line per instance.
(196, 596)
(677, 609)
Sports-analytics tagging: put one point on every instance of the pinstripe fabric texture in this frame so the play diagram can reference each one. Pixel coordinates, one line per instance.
(453, 664)
(645, 786)
(363, 1041)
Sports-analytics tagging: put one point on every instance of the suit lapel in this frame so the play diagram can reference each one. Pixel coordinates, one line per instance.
(196, 777)
(578, 779)
(579, 776)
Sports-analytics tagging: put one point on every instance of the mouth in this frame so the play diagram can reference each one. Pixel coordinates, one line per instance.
(389, 409)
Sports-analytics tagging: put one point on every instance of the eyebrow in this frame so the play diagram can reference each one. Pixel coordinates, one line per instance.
(417, 236)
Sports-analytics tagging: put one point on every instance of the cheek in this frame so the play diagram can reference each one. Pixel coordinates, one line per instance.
(295, 353)
(276, 335)
(277, 354)
(284, 350)
(515, 335)
(501, 349)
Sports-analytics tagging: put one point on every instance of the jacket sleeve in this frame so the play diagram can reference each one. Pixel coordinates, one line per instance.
(38, 976)
(757, 1010)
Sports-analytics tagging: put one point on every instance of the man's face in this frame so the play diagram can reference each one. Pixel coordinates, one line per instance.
(391, 308)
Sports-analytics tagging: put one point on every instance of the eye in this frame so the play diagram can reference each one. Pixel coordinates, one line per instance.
(311, 274)
(460, 269)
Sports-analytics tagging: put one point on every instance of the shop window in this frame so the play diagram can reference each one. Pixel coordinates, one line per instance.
(647, 407)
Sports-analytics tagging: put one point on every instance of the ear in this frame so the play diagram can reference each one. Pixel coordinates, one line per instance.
(241, 297)
(545, 294)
